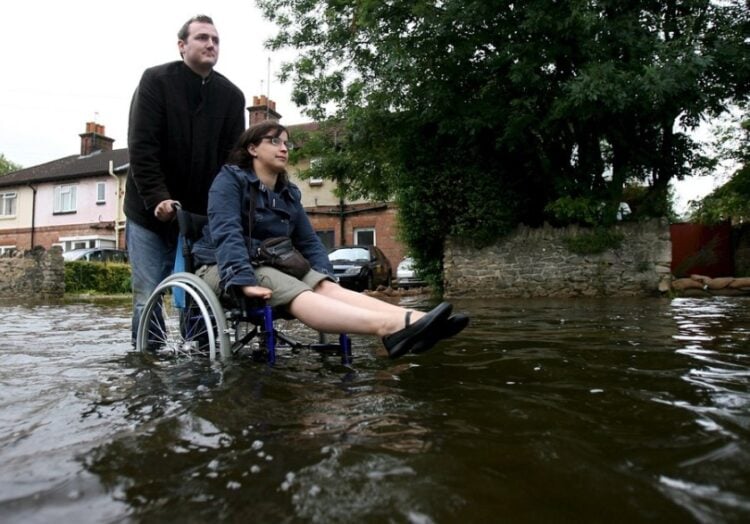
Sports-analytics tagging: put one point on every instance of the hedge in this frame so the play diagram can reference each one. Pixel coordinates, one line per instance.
(97, 277)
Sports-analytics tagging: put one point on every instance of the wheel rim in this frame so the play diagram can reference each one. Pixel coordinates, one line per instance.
(215, 309)
(169, 330)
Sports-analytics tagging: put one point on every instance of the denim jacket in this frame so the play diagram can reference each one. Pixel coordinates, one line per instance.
(226, 240)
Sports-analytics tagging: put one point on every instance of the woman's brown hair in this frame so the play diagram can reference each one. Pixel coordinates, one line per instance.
(254, 134)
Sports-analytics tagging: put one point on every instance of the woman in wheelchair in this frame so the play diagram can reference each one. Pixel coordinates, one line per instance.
(255, 179)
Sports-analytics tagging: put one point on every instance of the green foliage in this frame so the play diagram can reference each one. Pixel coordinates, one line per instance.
(594, 242)
(728, 202)
(576, 210)
(732, 200)
(6, 166)
(110, 278)
(479, 115)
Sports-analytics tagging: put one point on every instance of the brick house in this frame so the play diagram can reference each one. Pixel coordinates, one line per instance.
(76, 201)
(337, 221)
(73, 202)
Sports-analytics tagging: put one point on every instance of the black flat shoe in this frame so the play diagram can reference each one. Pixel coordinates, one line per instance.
(452, 326)
(402, 341)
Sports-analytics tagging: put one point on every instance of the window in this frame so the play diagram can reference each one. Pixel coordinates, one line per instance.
(327, 237)
(6, 251)
(100, 192)
(65, 199)
(315, 164)
(364, 236)
(85, 242)
(8, 204)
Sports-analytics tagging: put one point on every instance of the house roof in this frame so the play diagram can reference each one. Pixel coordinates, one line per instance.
(308, 127)
(69, 167)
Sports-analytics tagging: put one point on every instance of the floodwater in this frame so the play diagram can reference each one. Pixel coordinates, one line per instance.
(616, 410)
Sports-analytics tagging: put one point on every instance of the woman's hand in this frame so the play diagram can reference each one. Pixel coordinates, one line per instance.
(257, 292)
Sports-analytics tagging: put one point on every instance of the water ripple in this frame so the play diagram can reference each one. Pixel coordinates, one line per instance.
(541, 411)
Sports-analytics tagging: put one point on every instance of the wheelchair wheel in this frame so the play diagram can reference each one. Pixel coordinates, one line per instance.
(183, 318)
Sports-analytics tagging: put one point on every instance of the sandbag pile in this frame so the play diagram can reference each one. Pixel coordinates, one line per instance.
(698, 285)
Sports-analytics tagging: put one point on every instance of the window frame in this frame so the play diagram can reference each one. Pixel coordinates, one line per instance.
(101, 193)
(65, 194)
(361, 230)
(315, 182)
(5, 197)
(327, 236)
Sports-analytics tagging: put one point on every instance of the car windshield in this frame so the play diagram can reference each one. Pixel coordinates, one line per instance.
(406, 264)
(74, 255)
(97, 255)
(352, 254)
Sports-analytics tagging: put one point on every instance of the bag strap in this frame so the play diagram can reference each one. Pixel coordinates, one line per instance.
(251, 215)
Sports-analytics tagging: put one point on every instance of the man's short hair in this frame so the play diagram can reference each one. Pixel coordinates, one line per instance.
(184, 31)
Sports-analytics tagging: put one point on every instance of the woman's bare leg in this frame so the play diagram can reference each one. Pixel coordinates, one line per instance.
(337, 292)
(330, 315)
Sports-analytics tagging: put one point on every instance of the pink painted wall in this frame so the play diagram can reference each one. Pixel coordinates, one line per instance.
(87, 210)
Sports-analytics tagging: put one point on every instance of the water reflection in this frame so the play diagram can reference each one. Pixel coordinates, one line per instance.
(714, 336)
(567, 411)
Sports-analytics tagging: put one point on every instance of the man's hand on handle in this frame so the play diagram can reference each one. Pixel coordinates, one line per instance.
(165, 211)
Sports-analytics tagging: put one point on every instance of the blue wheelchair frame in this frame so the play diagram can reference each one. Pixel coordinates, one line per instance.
(262, 317)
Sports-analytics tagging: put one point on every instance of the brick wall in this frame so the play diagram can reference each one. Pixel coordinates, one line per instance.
(382, 218)
(21, 238)
(48, 236)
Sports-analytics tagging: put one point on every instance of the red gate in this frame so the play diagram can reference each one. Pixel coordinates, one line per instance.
(702, 250)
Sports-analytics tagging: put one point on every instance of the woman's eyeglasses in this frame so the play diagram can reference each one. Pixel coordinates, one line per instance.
(277, 142)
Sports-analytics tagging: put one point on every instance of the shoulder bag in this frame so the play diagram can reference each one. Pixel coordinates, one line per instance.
(277, 252)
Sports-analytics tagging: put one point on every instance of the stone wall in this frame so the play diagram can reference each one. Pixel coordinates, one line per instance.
(34, 274)
(535, 263)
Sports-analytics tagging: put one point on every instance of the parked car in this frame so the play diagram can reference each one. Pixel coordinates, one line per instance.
(97, 254)
(361, 267)
(406, 276)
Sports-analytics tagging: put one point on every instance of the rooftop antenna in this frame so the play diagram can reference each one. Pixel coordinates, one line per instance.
(268, 87)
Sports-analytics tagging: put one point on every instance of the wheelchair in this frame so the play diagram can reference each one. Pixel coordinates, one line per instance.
(184, 318)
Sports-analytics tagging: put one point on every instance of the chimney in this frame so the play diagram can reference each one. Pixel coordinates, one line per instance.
(94, 140)
(262, 109)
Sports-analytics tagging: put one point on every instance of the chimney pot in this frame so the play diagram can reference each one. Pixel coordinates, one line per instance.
(262, 109)
(94, 139)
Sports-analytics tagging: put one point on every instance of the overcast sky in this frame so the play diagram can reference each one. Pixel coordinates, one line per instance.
(68, 62)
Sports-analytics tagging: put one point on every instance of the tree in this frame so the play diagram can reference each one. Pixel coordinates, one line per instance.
(6, 166)
(731, 201)
(476, 115)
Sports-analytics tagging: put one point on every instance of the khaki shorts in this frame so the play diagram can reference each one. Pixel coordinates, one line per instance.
(285, 287)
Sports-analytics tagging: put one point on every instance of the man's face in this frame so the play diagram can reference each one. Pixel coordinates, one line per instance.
(201, 49)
